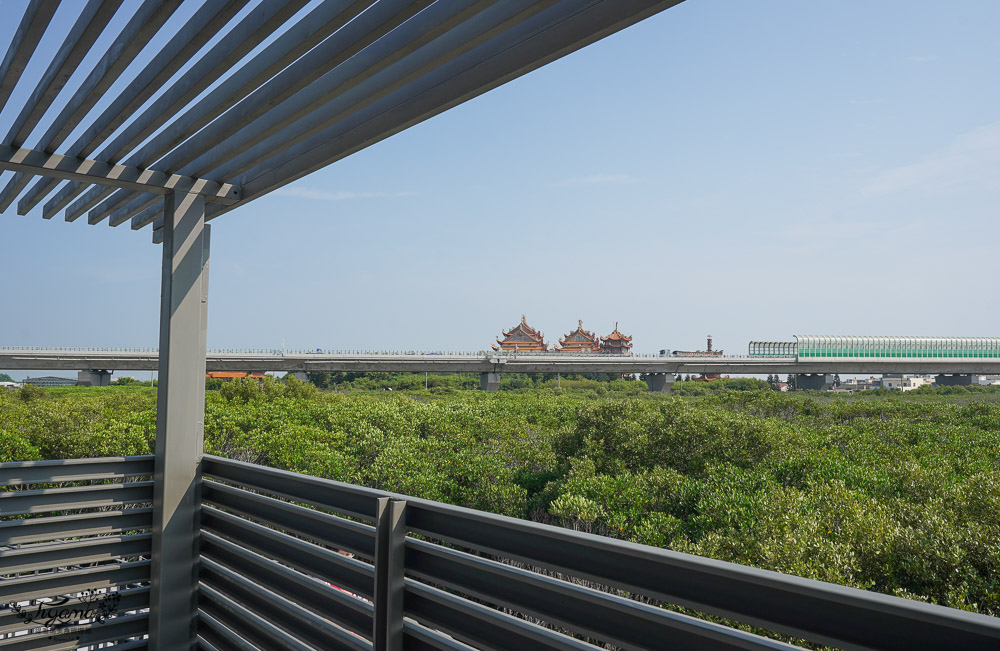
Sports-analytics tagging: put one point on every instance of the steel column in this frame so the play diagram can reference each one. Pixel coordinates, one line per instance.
(180, 416)
(390, 539)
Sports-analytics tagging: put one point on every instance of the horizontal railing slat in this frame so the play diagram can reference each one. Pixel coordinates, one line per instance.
(478, 625)
(311, 559)
(620, 621)
(218, 635)
(129, 599)
(19, 473)
(77, 552)
(47, 500)
(109, 630)
(320, 597)
(417, 638)
(331, 530)
(354, 501)
(75, 525)
(294, 619)
(822, 612)
(72, 581)
(257, 629)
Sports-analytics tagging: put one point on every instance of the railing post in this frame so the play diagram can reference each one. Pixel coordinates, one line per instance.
(390, 536)
(180, 418)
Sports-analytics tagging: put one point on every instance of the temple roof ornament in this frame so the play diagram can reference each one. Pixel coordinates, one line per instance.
(522, 337)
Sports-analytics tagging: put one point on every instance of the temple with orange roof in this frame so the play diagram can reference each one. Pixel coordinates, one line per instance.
(616, 343)
(522, 338)
(579, 341)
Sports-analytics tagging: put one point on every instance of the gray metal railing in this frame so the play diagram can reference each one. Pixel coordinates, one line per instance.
(446, 576)
(293, 561)
(74, 553)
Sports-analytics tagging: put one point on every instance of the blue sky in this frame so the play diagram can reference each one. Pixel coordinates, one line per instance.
(747, 169)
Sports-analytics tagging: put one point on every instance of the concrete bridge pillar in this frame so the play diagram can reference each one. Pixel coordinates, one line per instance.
(489, 381)
(660, 382)
(958, 380)
(93, 378)
(814, 381)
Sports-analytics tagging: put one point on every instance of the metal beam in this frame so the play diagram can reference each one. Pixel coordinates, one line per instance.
(29, 32)
(180, 417)
(260, 23)
(118, 176)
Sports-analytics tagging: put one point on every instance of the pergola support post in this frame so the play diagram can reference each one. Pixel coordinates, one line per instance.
(180, 418)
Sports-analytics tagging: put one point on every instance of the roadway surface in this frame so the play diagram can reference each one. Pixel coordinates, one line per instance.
(483, 362)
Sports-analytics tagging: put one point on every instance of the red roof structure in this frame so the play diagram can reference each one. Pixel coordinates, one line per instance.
(522, 337)
(616, 343)
(579, 341)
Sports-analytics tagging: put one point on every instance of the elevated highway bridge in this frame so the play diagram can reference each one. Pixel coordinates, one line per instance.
(95, 366)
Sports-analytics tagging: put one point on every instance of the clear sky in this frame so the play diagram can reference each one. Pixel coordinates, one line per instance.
(752, 170)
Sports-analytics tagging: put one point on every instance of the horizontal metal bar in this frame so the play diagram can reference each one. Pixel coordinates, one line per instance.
(322, 528)
(38, 529)
(318, 596)
(118, 176)
(296, 620)
(47, 500)
(479, 625)
(350, 500)
(622, 622)
(84, 635)
(19, 473)
(60, 583)
(822, 612)
(257, 629)
(128, 600)
(418, 637)
(76, 552)
(308, 558)
(219, 635)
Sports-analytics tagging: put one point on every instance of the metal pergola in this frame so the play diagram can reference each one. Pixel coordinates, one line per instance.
(210, 120)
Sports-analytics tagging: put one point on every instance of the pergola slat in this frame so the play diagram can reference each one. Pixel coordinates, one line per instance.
(29, 31)
(339, 77)
(140, 29)
(314, 28)
(260, 23)
(191, 37)
(81, 37)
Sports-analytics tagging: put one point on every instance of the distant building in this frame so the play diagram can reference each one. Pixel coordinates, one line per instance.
(708, 352)
(10, 385)
(579, 341)
(522, 338)
(50, 381)
(616, 343)
(900, 382)
(233, 375)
